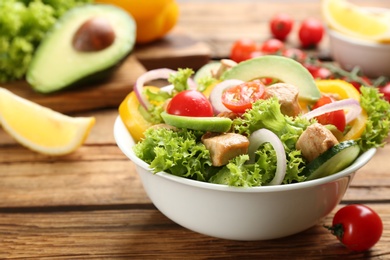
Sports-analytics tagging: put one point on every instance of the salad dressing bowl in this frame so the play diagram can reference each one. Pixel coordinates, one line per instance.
(234, 213)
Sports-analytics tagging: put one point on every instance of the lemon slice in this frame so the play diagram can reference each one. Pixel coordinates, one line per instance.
(39, 128)
(353, 20)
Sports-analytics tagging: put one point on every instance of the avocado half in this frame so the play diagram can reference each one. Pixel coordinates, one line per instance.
(83, 44)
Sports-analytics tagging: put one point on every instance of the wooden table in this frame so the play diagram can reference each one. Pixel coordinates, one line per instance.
(91, 204)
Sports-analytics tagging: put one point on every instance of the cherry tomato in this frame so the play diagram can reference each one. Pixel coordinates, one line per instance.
(190, 103)
(296, 54)
(357, 84)
(310, 32)
(242, 49)
(255, 54)
(385, 90)
(358, 227)
(281, 25)
(268, 81)
(240, 98)
(321, 73)
(271, 46)
(336, 118)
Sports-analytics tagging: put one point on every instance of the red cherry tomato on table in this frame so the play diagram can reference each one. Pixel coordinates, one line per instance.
(358, 227)
(240, 98)
(385, 90)
(271, 46)
(190, 103)
(336, 118)
(310, 32)
(242, 49)
(281, 25)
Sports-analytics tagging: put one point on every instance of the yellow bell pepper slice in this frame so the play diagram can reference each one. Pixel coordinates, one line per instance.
(129, 112)
(339, 87)
(345, 90)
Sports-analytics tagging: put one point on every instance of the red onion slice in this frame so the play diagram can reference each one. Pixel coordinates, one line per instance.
(261, 136)
(216, 94)
(146, 77)
(351, 105)
(163, 73)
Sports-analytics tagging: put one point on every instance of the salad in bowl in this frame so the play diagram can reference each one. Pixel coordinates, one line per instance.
(260, 122)
(234, 149)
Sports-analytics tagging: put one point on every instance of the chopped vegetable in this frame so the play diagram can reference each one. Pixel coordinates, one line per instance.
(378, 118)
(262, 136)
(216, 94)
(240, 97)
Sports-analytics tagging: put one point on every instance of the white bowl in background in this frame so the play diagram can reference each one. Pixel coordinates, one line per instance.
(257, 213)
(372, 58)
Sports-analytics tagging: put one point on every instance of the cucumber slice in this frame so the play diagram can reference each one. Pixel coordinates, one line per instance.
(212, 124)
(333, 160)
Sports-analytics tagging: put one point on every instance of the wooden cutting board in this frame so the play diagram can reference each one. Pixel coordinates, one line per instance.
(176, 50)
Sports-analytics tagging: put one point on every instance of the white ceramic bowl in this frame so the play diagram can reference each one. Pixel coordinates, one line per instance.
(257, 213)
(373, 58)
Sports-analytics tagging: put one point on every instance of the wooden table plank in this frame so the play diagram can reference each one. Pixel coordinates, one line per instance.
(147, 234)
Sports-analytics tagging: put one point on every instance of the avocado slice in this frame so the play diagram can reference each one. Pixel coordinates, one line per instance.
(85, 42)
(282, 68)
(211, 124)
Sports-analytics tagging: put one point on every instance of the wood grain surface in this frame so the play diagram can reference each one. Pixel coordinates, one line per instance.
(91, 204)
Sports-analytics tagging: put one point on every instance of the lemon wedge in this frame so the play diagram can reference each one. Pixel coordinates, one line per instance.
(39, 128)
(357, 21)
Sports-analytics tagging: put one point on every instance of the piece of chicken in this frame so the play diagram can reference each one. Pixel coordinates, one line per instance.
(287, 95)
(315, 140)
(224, 147)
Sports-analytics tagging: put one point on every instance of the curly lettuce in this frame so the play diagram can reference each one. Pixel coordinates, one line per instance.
(378, 122)
(23, 25)
(265, 113)
(177, 152)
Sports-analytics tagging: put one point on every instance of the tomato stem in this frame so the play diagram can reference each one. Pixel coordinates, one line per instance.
(336, 230)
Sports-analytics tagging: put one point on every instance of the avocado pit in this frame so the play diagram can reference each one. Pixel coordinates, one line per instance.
(94, 35)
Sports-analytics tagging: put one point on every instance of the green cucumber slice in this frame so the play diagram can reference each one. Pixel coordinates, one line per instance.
(333, 160)
(211, 124)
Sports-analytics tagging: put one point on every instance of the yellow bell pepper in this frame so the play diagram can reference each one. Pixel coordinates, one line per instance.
(129, 112)
(345, 90)
(154, 18)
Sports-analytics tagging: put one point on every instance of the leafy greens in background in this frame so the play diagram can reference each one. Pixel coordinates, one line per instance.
(23, 24)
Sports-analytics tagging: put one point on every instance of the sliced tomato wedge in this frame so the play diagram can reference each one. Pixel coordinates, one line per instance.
(240, 98)
(336, 118)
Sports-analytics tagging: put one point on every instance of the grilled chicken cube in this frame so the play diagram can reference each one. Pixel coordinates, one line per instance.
(287, 95)
(315, 140)
(225, 146)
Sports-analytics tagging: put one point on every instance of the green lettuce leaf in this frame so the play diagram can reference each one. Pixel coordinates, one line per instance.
(378, 123)
(177, 152)
(265, 113)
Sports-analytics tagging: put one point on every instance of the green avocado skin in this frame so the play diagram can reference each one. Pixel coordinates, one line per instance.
(211, 124)
(56, 65)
